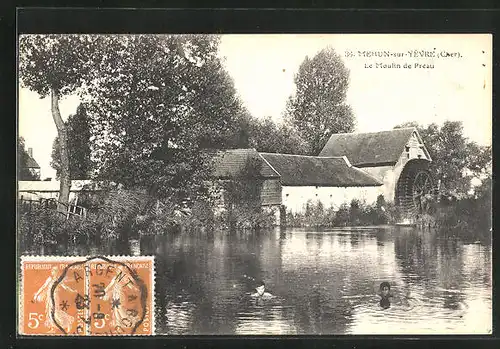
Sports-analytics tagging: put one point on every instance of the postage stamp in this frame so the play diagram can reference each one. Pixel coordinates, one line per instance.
(87, 296)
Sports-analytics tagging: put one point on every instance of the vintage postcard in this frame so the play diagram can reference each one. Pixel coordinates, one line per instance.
(278, 184)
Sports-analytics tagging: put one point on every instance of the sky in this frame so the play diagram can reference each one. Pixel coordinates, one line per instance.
(454, 82)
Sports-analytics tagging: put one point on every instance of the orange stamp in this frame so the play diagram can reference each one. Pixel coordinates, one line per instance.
(87, 296)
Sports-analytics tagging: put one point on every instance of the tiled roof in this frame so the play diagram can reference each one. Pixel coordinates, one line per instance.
(31, 163)
(369, 148)
(300, 170)
(231, 163)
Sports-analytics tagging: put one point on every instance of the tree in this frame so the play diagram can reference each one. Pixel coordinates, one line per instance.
(479, 160)
(79, 146)
(408, 124)
(266, 136)
(159, 103)
(238, 132)
(23, 172)
(57, 65)
(318, 108)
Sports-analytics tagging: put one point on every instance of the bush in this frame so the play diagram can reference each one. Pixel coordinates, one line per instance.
(246, 218)
(468, 218)
(357, 213)
(42, 227)
(342, 216)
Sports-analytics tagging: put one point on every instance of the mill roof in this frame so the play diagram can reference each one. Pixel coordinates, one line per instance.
(233, 163)
(372, 148)
(301, 170)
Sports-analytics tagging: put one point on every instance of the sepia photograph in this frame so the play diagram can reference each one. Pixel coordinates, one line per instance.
(254, 184)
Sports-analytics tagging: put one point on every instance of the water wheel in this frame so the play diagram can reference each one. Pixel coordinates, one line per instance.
(413, 184)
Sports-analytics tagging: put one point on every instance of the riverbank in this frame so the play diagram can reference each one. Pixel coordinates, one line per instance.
(41, 227)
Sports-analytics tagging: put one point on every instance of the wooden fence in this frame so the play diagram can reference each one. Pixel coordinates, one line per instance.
(27, 205)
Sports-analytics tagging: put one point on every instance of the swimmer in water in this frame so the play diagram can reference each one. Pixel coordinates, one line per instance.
(385, 294)
(261, 292)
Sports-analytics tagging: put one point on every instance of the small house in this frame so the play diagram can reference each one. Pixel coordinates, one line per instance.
(31, 165)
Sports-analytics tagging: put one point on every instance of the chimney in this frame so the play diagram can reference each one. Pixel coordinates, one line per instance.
(30, 152)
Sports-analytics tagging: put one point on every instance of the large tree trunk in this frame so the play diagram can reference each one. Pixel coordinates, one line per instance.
(64, 188)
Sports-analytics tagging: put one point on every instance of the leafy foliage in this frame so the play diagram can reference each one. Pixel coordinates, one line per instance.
(243, 201)
(42, 227)
(356, 213)
(24, 173)
(469, 218)
(267, 136)
(61, 62)
(78, 130)
(318, 108)
(159, 101)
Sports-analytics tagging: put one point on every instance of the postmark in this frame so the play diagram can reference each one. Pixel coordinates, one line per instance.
(87, 296)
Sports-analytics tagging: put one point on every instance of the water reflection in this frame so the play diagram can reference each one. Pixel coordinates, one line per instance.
(324, 283)
(266, 321)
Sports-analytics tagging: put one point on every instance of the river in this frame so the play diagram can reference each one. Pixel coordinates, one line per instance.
(323, 282)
